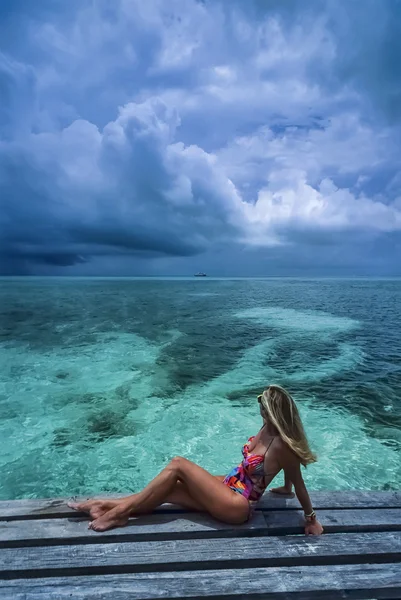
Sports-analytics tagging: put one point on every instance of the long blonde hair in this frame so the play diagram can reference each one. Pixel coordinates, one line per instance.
(282, 412)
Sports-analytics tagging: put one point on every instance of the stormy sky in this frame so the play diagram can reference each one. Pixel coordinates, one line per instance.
(235, 137)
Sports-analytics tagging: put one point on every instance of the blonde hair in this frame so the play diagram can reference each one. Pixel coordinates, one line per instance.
(282, 412)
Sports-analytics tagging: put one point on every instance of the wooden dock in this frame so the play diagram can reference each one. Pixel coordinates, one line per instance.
(46, 551)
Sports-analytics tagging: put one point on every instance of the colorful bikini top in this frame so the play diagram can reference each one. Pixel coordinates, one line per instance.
(254, 462)
(249, 477)
(254, 467)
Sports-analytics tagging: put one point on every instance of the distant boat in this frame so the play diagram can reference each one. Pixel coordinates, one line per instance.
(200, 275)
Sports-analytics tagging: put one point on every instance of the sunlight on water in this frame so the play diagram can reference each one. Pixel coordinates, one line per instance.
(108, 412)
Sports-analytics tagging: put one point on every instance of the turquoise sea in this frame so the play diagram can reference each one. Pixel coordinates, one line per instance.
(102, 381)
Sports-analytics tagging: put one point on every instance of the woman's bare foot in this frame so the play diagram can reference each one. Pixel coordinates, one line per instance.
(109, 520)
(283, 491)
(95, 508)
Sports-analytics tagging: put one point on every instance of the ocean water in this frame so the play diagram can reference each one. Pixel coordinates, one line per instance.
(103, 381)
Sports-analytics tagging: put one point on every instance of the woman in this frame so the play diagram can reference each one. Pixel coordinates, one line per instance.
(281, 444)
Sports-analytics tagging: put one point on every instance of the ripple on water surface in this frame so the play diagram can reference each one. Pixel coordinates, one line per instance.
(107, 413)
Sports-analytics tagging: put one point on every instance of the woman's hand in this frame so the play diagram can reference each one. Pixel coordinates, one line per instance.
(283, 491)
(313, 528)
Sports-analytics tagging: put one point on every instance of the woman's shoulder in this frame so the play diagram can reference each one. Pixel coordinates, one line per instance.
(274, 445)
(285, 452)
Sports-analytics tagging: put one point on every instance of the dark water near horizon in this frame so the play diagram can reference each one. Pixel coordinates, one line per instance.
(104, 380)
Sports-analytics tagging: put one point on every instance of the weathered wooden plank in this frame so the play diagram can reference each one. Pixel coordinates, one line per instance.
(192, 525)
(334, 500)
(131, 557)
(49, 508)
(67, 531)
(57, 508)
(336, 521)
(299, 583)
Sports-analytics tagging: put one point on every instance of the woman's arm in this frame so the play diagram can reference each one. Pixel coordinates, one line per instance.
(286, 489)
(287, 482)
(292, 467)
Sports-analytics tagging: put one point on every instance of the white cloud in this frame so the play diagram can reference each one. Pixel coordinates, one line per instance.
(134, 177)
(341, 144)
(294, 205)
(172, 127)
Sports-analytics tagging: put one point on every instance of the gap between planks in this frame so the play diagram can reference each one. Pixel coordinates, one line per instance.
(298, 583)
(129, 557)
(192, 526)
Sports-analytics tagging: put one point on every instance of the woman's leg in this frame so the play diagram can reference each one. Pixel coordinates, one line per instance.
(180, 496)
(210, 494)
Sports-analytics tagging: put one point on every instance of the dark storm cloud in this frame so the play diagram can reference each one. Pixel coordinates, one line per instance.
(161, 134)
(87, 192)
